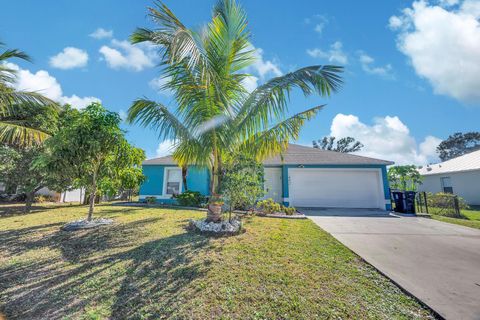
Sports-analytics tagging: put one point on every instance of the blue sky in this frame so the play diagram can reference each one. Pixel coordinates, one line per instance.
(412, 69)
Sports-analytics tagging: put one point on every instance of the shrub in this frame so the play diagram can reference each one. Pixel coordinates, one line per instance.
(444, 204)
(242, 182)
(190, 199)
(289, 211)
(151, 200)
(268, 206)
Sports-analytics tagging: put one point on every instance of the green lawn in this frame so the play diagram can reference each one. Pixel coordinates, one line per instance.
(471, 218)
(146, 266)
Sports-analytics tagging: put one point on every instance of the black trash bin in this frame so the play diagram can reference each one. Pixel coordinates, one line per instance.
(410, 201)
(398, 199)
(404, 201)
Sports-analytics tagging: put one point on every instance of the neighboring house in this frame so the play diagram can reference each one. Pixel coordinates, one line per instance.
(301, 176)
(460, 176)
(75, 195)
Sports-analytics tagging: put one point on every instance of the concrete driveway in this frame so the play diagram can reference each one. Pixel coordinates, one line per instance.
(437, 262)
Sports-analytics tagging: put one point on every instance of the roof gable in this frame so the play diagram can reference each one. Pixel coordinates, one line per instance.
(297, 154)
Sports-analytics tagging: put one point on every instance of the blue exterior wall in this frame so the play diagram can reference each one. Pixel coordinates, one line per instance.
(383, 169)
(198, 179)
(153, 183)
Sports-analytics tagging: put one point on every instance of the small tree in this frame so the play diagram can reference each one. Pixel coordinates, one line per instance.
(242, 182)
(92, 150)
(20, 172)
(405, 178)
(345, 145)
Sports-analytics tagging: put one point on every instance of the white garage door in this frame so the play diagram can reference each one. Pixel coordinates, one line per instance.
(343, 188)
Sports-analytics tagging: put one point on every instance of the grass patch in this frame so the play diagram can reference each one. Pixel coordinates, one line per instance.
(471, 217)
(146, 266)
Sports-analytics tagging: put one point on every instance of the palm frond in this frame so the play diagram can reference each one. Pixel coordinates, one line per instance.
(274, 140)
(9, 98)
(178, 43)
(148, 113)
(271, 99)
(14, 53)
(18, 133)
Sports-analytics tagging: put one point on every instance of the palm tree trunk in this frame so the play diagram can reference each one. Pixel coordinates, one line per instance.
(214, 212)
(184, 177)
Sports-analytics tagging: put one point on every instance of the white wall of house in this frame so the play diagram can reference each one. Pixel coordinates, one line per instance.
(75, 195)
(464, 184)
(46, 192)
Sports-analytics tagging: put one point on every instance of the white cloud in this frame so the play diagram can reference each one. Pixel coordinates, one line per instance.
(334, 55)
(123, 114)
(69, 58)
(165, 148)
(78, 102)
(368, 66)
(260, 70)
(319, 27)
(42, 82)
(388, 138)
(101, 33)
(442, 42)
(264, 67)
(318, 21)
(122, 54)
(250, 83)
(158, 84)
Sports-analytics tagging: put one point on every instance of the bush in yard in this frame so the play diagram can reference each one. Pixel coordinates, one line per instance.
(444, 204)
(289, 211)
(268, 206)
(242, 182)
(151, 200)
(190, 198)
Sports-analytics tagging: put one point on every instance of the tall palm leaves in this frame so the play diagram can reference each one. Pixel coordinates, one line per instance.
(215, 115)
(13, 129)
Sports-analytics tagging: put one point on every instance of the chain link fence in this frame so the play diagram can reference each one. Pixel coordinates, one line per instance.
(444, 204)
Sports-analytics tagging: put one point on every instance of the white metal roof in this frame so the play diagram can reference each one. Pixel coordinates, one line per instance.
(467, 162)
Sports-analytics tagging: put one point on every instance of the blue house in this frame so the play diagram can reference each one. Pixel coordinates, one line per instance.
(301, 176)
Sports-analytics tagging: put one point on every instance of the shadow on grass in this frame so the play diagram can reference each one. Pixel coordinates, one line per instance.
(14, 209)
(95, 267)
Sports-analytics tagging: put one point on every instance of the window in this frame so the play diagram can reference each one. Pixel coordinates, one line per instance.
(173, 181)
(446, 184)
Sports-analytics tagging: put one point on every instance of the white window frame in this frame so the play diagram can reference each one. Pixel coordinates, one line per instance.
(166, 171)
(442, 179)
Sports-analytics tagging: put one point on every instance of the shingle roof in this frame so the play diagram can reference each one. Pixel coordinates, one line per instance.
(161, 160)
(297, 154)
(467, 162)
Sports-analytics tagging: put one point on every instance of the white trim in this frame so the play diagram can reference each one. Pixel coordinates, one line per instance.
(165, 176)
(158, 196)
(286, 200)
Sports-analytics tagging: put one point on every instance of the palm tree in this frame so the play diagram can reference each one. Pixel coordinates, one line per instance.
(13, 128)
(215, 115)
